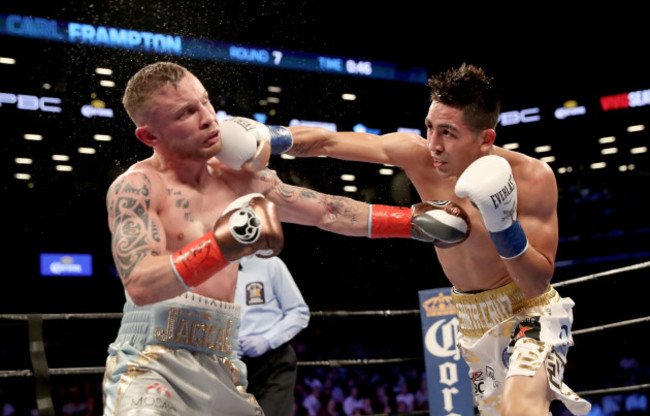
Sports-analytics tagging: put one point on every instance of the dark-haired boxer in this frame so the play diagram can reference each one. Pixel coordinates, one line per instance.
(180, 220)
(514, 328)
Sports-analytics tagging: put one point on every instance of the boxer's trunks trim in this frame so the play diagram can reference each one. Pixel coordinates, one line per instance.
(189, 321)
(479, 312)
(494, 352)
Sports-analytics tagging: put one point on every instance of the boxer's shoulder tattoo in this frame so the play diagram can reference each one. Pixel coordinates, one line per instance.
(134, 234)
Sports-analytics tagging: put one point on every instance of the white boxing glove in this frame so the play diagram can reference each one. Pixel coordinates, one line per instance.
(248, 144)
(489, 184)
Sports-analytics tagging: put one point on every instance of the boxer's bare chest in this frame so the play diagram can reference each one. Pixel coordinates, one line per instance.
(189, 212)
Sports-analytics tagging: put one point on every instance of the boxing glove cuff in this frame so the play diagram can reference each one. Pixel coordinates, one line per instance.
(198, 261)
(386, 222)
(281, 139)
(511, 242)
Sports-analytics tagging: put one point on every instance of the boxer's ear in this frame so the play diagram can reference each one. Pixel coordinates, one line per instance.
(144, 134)
(487, 138)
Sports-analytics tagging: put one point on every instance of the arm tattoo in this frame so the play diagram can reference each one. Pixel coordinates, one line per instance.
(301, 149)
(287, 192)
(134, 236)
(335, 206)
(341, 207)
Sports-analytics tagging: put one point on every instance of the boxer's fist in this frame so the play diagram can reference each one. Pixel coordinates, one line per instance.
(249, 225)
(489, 184)
(442, 223)
(248, 144)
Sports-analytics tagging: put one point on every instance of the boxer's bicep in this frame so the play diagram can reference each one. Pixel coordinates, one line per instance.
(136, 230)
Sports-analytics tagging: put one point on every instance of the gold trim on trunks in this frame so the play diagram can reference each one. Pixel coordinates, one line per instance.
(479, 312)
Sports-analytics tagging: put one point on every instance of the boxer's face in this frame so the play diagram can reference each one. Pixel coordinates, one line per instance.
(453, 145)
(183, 120)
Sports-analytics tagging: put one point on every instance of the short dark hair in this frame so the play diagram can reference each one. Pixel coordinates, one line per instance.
(468, 88)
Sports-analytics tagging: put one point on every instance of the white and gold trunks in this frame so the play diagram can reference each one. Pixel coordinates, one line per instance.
(502, 333)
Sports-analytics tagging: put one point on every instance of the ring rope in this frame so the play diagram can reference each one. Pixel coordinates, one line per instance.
(608, 326)
(333, 363)
(118, 315)
(611, 390)
(54, 371)
(358, 361)
(41, 372)
(330, 363)
(364, 313)
(595, 276)
(64, 316)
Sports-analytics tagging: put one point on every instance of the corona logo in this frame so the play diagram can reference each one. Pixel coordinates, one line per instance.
(439, 306)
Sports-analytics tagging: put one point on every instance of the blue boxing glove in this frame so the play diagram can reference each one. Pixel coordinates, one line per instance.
(489, 184)
(248, 144)
(253, 346)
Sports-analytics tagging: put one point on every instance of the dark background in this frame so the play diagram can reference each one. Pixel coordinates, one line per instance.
(540, 57)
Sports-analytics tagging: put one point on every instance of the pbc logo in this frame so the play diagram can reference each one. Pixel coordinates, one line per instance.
(478, 382)
(31, 102)
(477, 376)
(480, 378)
(527, 115)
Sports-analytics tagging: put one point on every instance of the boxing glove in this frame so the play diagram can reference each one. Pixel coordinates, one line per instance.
(442, 223)
(489, 184)
(248, 144)
(249, 225)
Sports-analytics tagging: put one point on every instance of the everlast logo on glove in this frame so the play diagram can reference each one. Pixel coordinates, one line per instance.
(246, 123)
(504, 193)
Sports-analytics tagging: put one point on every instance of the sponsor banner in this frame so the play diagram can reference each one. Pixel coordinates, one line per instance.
(57, 264)
(448, 381)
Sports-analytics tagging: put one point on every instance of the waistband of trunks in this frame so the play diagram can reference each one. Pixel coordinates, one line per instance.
(189, 321)
(478, 312)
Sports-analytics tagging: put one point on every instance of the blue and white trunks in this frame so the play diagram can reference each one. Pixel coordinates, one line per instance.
(178, 357)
